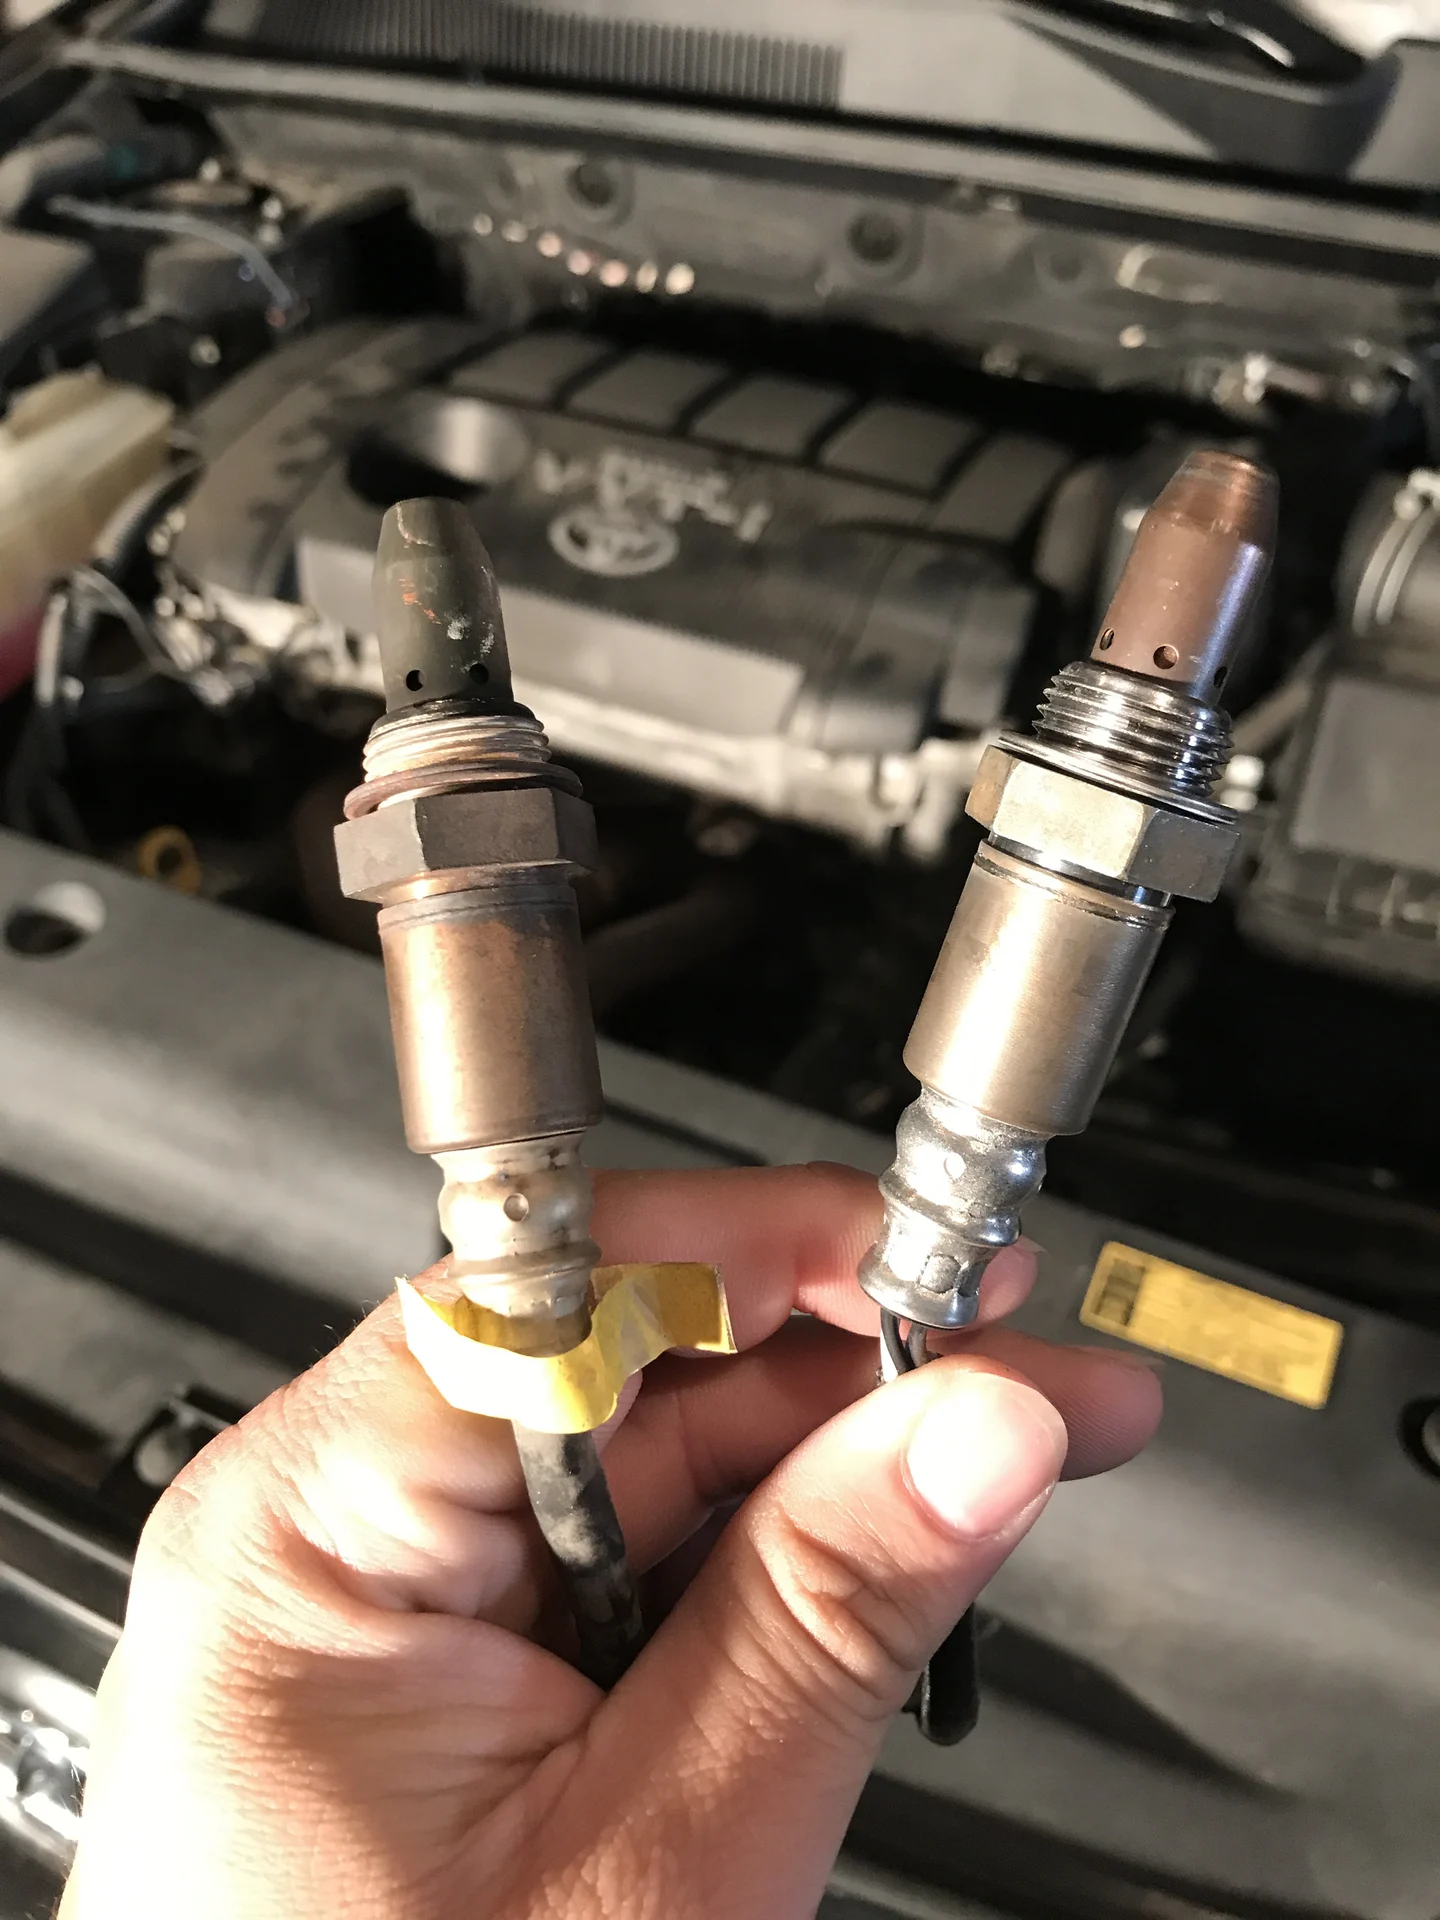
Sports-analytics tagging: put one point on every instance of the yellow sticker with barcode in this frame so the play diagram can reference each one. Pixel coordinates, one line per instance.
(1210, 1323)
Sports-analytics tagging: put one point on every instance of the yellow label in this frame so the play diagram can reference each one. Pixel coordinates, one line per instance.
(1248, 1337)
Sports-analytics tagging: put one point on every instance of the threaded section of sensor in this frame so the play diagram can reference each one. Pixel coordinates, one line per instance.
(417, 752)
(1161, 736)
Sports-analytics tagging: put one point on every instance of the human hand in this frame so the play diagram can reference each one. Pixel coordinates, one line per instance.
(337, 1695)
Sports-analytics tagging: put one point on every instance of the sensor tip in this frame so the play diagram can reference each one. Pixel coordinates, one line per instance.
(1225, 494)
(437, 610)
(1195, 575)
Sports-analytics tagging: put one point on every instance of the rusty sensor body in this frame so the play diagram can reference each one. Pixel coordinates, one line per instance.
(1095, 823)
(467, 836)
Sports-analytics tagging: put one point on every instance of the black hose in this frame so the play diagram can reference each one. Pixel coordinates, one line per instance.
(568, 1492)
(946, 1700)
(650, 948)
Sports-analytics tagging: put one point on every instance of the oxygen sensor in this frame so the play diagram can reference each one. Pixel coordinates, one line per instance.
(467, 835)
(1095, 822)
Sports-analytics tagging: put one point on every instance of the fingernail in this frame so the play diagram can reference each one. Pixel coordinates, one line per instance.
(1030, 1246)
(984, 1452)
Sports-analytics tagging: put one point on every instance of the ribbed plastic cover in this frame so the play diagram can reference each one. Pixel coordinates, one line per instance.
(527, 42)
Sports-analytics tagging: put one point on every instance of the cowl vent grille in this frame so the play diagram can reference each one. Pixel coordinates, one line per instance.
(530, 43)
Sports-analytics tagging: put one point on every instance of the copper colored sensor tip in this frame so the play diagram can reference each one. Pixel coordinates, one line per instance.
(1194, 576)
(1224, 493)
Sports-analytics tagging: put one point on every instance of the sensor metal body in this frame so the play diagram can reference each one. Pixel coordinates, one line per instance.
(1096, 823)
(467, 836)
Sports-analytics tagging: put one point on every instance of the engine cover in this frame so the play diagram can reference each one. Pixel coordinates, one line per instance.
(764, 589)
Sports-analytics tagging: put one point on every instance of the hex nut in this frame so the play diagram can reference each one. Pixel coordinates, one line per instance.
(472, 835)
(1037, 809)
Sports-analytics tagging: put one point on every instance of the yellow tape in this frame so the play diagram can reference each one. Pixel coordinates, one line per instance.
(1264, 1343)
(640, 1312)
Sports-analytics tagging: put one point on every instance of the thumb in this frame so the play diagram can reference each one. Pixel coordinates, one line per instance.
(770, 1687)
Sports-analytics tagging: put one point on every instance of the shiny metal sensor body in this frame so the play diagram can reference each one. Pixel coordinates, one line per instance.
(1096, 822)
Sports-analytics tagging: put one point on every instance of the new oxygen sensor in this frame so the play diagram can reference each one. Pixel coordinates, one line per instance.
(1095, 822)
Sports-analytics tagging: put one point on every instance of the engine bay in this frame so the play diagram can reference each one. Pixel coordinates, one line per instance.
(808, 441)
(772, 583)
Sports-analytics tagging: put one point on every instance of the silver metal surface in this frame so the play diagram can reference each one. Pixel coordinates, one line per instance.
(1184, 604)
(467, 835)
(414, 845)
(490, 1014)
(1034, 985)
(952, 1200)
(418, 752)
(517, 1217)
(1088, 763)
(494, 1034)
(1159, 733)
(45, 1722)
(1073, 824)
(1093, 825)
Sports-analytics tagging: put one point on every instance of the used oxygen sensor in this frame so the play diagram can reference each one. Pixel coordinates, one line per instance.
(467, 835)
(1095, 822)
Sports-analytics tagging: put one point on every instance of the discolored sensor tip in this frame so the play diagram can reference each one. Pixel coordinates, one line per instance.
(437, 610)
(1225, 493)
(1195, 575)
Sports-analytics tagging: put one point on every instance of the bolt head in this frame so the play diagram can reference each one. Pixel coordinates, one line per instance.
(1090, 827)
(466, 836)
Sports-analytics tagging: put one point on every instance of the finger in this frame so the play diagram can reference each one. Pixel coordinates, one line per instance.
(778, 1671)
(705, 1433)
(784, 1238)
(1110, 1402)
(414, 1505)
(403, 1502)
(395, 1484)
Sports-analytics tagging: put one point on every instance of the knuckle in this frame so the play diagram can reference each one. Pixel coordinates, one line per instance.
(169, 1533)
(848, 1642)
(839, 1211)
(196, 1523)
(219, 1525)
